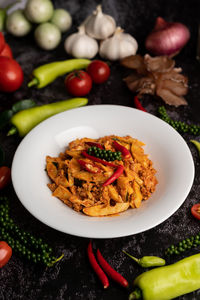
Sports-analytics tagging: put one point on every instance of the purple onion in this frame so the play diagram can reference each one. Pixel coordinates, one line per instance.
(167, 38)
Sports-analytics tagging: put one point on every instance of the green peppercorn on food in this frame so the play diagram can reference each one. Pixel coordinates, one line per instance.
(178, 125)
(107, 155)
(24, 243)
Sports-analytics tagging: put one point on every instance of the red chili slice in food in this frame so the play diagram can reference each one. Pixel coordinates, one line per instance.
(195, 210)
(92, 168)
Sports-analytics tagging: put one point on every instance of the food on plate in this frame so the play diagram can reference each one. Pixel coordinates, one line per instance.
(156, 76)
(101, 182)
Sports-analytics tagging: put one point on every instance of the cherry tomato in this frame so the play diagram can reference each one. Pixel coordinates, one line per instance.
(195, 210)
(78, 83)
(2, 41)
(5, 176)
(6, 51)
(99, 71)
(11, 74)
(5, 253)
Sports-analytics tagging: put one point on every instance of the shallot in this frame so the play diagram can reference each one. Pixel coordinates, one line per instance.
(167, 38)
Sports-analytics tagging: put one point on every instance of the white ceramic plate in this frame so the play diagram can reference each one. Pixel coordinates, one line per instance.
(166, 148)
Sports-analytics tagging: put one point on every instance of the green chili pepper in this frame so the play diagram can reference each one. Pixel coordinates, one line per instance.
(197, 144)
(45, 74)
(168, 282)
(6, 115)
(148, 261)
(27, 119)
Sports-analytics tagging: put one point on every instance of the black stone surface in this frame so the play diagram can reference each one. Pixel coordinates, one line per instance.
(73, 278)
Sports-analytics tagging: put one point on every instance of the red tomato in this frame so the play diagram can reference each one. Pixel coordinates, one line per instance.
(6, 51)
(2, 41)
(5, 176)
(5, 253)
(78, 83)
(195, 210)
(11, 74)
(99, 71)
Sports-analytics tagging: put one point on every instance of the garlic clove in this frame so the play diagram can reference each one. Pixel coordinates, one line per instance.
(80, 45)
(99, 25)
(119, 46)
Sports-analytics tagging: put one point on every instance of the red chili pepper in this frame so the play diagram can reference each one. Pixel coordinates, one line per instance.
(92, 144)
(138, 105)
(103, 162)
(110, 271)
(92, 168)
(115, 175)
(122, 149)
(96, 267)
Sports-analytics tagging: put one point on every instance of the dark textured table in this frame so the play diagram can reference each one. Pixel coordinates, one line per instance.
(73, 278)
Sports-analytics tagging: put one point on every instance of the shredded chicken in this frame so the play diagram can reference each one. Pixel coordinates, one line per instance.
(156, 76)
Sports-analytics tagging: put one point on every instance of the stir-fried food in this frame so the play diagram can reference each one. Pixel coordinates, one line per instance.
(101, 177)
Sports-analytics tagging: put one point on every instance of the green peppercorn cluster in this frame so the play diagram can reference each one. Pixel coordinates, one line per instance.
(107, 155)
(22, 242)
(178, 125)
(184, 245)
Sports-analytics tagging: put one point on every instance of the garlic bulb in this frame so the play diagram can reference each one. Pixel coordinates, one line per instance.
(118, 46)
(99, 25)
(80, 45)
